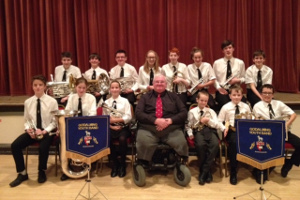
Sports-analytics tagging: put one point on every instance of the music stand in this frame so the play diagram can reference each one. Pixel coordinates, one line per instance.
(87, 139)
(256, 140)
(88, 183)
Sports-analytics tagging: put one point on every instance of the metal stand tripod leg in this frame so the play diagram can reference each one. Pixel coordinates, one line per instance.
(88, 183)
(264, 194)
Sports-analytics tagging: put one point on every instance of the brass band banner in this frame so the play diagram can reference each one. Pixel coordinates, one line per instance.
(260, 143)
(87, 138)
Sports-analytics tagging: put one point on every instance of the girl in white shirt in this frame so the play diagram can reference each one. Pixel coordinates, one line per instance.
(148, 71)
(118, 128)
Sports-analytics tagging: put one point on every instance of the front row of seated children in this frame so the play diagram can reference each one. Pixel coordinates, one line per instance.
(202, 126)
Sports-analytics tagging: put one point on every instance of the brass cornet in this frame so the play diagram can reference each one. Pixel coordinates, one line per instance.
(31, 125)
(176, 74)
(226, 85)
(114, 113)
(200, 125)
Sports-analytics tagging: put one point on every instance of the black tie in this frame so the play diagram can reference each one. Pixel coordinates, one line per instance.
(122, 72)
(94, 75)
(259, 80)
(151, 77)
(201, 113)
(114, 105)
(237, 110)
(79, 107)
(228, 74)
(64, 78)
(175, 74)
(38, 115)
(199, 74)
(271, 111)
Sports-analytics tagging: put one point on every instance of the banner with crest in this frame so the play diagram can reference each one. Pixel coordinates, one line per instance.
(87, 138)
(260, 143)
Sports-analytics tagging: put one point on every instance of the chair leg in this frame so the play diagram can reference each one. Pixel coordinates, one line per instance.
(26, 158)
(226, 161)
(220, 160)
(55, 162)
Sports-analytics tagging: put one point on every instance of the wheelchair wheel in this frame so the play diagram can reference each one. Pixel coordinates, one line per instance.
(139, 176)
(182, 176)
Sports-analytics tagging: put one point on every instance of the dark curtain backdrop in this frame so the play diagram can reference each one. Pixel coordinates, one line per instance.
(35, 32)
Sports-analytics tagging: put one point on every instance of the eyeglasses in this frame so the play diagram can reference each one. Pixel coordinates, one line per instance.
(151, 58)
(267, 93)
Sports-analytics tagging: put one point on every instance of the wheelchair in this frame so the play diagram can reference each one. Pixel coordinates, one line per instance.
(164, 158)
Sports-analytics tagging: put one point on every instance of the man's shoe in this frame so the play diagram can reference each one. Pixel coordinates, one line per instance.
(64, 177)
(233, 179)
(202, 178)
(122, 171)
(209, 177)
(19, 180)
(42, 176)
(285, 169)
(114, 171)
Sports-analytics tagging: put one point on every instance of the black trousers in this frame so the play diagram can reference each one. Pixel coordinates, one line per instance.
(207, 150)
(295, 141)
(223, 99)
(232, 152)
(130, 96)
(25, 140)
(183, 97)
(252, 98)
(120, 149)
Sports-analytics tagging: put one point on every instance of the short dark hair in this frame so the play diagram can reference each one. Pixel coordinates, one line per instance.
(235, 87)
(81, 80)
(66, 54)
(259, 53)
(121, 51)
(95, 55)
(115, 81)
(39, 77)
(203, 92)
(269, 86)
(226, 43)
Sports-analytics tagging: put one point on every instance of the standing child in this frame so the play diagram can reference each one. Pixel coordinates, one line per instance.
(37, 111)
(118, 127)
(256, 76)
(206, 138)
(227, 114)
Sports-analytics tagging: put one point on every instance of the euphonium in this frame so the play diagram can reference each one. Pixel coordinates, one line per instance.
(126, 83)
(60, 89)
(67, 165)
(100, 85)
(200, 125)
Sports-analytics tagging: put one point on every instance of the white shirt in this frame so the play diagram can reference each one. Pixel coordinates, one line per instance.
(220, 69)
(227, 112)
(251, 75)
(194, 116)
(123, 106)
(261, 109)
(88, 104)
(59, 72)
(207, 73)
(48, 104)
(129, 71)
(89, 73)
(182, 71)
(144, 77)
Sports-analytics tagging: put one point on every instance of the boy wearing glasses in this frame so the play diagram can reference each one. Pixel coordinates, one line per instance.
(271, 109)
(256, 76)
(123, 69)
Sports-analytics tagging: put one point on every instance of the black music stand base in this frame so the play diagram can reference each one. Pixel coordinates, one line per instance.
(88, 183)
(264, 194)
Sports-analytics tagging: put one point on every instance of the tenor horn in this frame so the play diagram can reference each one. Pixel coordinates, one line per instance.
(70, 167)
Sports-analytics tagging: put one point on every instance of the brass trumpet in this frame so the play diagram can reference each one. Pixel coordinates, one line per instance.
(226, 85)
(31, 125)
(194, 89)
(200, 125)
(176, 74)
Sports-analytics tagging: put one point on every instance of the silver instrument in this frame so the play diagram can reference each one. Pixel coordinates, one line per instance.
(126, 83)
(31, 125)
(100, 85)
(73, 168)
(198, 125)
(194, 89)
(176, 74)
(226, 85)
(114, 113)
(60, 89)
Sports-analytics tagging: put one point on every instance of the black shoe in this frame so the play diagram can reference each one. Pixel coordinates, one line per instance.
(209, 177)
(64, 177)
(285, 169)
(42, 176)
(202, 178)
(233, 178)
(122, 171)
(19, 180)
(114, 171)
